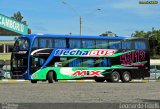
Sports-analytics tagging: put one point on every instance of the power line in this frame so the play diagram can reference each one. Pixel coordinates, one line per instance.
(75, 11)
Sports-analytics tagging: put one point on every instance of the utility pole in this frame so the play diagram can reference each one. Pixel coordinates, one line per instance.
(75, 11)
(80, 25)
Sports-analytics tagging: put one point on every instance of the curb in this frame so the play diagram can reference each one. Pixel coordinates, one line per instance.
(76, 81)
(13, 81)
(72, 81)
(145, 81)
(61, 81)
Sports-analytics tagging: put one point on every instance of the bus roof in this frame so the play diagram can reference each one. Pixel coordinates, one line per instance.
(77, 36)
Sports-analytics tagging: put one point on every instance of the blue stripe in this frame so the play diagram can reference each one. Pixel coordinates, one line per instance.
(49, 58)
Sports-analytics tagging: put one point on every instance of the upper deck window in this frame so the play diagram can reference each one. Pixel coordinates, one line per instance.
(140, 45)
(42, 42)
(88, 43)
(22, 44)
(59, 43)
(114, 44)
(102, 44)
(35, 43)
(75, 43)
(126, 44)
(49, 43)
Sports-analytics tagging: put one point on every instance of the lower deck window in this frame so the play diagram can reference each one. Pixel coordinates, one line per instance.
(86, 62)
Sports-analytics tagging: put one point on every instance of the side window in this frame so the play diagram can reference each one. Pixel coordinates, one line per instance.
(105, 62)
(64, 61)
(114, 44)
(102, 62)
(35, 43)
(49, 43)
(140, 45)
(75, 62)
(74, 43)
(59, 43)
(41, 61)
(102, 44)
(24, 44)
(89, 62)
(81, 62)
(126, 45)
(88, 43)
(42, 43)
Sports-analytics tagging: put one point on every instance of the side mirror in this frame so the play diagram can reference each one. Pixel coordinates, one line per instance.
(58, 64)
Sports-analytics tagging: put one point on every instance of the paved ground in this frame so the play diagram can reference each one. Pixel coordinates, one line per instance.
(88, 92)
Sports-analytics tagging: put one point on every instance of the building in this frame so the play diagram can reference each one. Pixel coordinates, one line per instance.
(6, 45)
(8, 28)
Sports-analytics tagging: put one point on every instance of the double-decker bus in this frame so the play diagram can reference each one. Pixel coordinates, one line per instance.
(41, 57)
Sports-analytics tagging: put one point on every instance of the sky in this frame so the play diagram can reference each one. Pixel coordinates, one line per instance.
(122, 17)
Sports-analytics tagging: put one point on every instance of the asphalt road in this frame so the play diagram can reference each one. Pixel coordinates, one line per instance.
(80, 92)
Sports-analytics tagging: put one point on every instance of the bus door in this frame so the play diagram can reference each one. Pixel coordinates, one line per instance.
(36, 63)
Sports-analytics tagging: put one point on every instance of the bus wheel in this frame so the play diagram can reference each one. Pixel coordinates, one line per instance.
(126, 76)
(99, 79)
(115, 76)
(33, 81)
(50, 77)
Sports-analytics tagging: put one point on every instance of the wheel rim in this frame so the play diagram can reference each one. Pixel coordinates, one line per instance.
(126, 76)
(115, 76)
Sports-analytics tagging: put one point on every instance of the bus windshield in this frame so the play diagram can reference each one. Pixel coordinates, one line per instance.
(19, 58)
(21, 44)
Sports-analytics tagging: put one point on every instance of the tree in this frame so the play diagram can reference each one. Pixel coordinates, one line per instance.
(154, 39)
(17, 16)
(108, 33)
(29, 31)
(139, 34)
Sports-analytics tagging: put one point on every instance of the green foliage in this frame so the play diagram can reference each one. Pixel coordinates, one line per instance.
(139, 34)
(154, 41)
(108, 33)
(18, 17)
(29, 31)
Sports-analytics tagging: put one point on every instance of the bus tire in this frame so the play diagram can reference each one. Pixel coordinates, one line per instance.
(126, 76)
(50, 77)
(115, 76)
(33, 81)
(99, 79)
